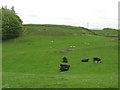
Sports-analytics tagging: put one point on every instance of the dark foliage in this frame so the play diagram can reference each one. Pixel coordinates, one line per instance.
(11, 24)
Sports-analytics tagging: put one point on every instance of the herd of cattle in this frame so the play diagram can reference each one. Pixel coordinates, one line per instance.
(65, 67)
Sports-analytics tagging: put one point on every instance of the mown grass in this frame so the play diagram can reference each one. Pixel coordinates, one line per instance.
(33, 60)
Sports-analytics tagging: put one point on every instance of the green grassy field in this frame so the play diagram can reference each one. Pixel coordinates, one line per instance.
(107, 32)
(33, 59)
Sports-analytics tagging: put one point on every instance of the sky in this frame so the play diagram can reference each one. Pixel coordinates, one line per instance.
(92, 14)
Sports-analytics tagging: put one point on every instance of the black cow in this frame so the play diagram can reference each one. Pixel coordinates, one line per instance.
(85, 60)
(65, 60)
(96, 59)
(64, 67)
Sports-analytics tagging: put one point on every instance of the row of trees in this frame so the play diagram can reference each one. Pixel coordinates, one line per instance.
(11, 23)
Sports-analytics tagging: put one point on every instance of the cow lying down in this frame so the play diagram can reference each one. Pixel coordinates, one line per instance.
(64, 67)
(85, 60)
(97, 59)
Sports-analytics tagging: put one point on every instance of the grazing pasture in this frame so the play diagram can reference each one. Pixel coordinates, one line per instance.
(33, 60)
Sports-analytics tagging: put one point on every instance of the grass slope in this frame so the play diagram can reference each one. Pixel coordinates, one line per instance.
(108, 32)
(33, 59)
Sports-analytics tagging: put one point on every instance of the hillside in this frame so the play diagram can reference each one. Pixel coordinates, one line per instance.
(33, 60)
(61, 30)
(107, 32)
(56, 29)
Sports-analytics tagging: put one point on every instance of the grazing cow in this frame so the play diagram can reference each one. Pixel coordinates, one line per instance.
(96, 59)
(64, 67)
(65, 60)
(85, 60)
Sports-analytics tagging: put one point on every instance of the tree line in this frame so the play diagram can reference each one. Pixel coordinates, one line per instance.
(11, 23)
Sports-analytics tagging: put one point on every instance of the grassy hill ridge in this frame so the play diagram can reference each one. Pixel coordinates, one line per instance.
(108, 32)
(50, 29)
(59, 28)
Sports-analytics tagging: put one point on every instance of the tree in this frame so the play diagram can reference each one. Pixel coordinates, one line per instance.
(11, 24)
(12, 8)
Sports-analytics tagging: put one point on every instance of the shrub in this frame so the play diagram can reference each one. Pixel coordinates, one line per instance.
(11, 24)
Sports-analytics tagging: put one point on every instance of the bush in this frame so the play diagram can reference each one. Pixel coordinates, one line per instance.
(11, 24)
